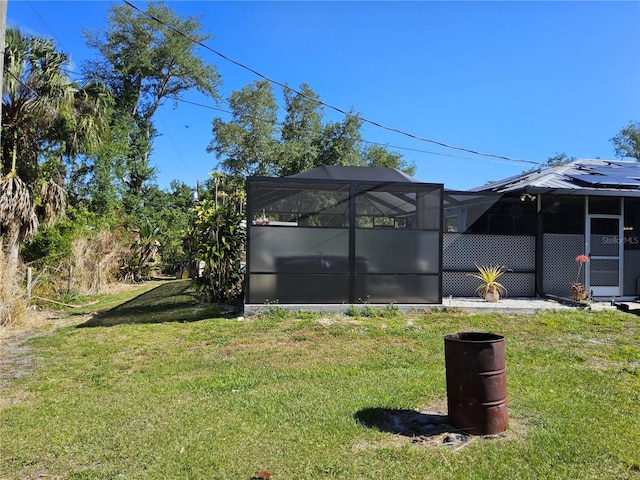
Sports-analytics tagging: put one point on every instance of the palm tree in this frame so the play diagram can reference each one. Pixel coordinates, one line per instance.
(43, 110)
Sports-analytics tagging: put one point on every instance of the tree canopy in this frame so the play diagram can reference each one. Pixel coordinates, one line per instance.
(45, 117)
(255, 142)
(147, 58)
(247, 145)
(627, 142)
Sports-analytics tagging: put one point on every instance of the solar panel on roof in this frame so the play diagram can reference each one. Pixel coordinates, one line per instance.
(610, 180)
(620, 171)
(588, 174)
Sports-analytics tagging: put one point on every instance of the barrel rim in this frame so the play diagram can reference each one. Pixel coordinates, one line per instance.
(474, 337)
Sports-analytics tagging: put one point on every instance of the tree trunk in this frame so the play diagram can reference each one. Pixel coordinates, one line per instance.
(12, 249)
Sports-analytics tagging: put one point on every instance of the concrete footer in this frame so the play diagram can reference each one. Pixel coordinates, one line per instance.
(477, 305)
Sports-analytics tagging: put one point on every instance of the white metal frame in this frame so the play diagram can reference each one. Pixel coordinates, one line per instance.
(605, 291)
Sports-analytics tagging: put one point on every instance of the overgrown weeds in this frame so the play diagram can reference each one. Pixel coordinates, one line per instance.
(369, 311)
(94, 264)
(97, 261)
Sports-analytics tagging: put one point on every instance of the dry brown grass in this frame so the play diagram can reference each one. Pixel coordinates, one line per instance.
(93, 268)
(12, 300)
(96, 261)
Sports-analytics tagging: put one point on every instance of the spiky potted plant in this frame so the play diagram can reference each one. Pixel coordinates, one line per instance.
(490, 289)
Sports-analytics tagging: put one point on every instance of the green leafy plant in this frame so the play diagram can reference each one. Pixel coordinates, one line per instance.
(352, 311)
(143, 252)
(489, 275)
(217, 238)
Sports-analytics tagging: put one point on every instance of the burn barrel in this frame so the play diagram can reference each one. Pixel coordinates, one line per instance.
(476, 382)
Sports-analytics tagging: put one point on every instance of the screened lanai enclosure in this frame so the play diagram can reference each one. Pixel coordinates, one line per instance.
(344, 235)
(374, 235)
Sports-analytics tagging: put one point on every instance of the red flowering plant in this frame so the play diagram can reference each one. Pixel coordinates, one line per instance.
(578, 290)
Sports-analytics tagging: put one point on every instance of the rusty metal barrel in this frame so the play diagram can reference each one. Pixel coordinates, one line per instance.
(476, 382)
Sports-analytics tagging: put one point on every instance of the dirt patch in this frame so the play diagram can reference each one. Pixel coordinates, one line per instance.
(16, 359)
(426, 427)
(326, 322)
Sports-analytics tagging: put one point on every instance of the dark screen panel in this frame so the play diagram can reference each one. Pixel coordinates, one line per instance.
(398, 206)
(297, 289)
(632, 224)
(397, 251)
(309, 205)
(398, 288)
(298, 250)
(389, 229)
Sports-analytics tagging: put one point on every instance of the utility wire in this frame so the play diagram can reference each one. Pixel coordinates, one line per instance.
(285, 86)
(507, 160)
(397, 147)
(19, 80)
(217, 109)
(45, 24)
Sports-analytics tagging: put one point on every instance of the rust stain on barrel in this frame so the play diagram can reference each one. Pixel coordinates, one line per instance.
(476, 382)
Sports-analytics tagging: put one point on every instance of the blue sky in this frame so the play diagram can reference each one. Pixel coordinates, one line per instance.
(524, 80)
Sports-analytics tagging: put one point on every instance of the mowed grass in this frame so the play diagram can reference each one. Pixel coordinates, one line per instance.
(162, 388)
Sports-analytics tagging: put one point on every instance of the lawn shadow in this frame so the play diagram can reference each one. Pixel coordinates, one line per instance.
(170, 302)
(408, 423)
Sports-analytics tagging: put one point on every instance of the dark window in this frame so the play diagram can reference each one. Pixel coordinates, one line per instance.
(632, 224)
(508, 216)
(604, 205)
(563, 214)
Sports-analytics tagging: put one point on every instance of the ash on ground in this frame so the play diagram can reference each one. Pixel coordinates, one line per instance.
(419, 427)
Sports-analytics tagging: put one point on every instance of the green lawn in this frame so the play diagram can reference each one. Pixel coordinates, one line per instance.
(159, 387)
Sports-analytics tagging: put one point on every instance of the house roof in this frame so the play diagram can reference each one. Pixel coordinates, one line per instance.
(365, 174)
(580, 177)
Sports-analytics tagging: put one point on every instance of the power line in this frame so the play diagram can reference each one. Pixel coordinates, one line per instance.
(175, 145)
(45, 24)
(285, 86)
(397, 147)
(498, 158)
(209, 107)
(19, 80)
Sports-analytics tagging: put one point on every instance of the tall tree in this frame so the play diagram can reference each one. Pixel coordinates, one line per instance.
(379, 156)
(147, 58)
(301, 130)
(627, 143)
(45, 116)
(340, 143)
(248, 143)
(254, 143)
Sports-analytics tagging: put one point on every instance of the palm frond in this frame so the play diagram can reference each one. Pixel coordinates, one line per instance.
(16, 200)
(29, 228)
(54, 200)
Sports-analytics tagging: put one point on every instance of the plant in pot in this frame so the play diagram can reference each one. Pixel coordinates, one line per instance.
(578, 290)
(490, 289)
